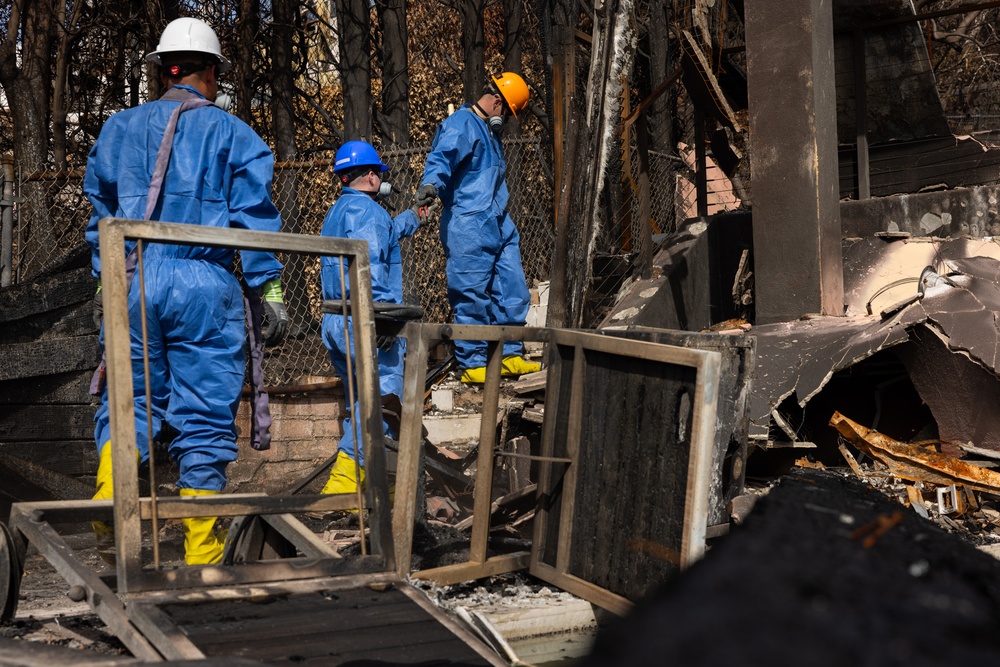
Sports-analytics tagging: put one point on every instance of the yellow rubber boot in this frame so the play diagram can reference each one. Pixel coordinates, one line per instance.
(104, 533)
(343, 476)
(201, 545)
(515, 364)
(474, 375)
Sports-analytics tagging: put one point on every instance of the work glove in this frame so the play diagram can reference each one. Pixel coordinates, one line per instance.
(426, 194)
(425, 213)
(274, 309)
(98, 305)
(385, 343)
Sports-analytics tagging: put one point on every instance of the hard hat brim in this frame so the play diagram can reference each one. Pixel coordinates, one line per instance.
(223, 63)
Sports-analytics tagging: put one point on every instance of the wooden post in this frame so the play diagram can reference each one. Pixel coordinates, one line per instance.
(798, 263)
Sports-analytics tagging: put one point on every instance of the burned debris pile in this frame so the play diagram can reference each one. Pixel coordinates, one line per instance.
(826, 571)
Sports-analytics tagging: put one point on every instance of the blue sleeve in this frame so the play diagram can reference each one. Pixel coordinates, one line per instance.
(100, 187)
(451, 146)
(405, 224)
(250, 205)
(379, 251)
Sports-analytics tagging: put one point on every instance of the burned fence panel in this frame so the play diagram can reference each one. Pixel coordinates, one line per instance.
(49, 344)
(637, 422)
(732, 418)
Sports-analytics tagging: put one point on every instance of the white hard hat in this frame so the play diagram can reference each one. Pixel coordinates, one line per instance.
(188, 34)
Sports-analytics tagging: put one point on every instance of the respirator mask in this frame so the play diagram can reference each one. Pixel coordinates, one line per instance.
(496, 123)
(384, 191)
(223, 101)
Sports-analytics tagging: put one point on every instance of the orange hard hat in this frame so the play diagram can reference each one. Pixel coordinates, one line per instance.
(514, 90)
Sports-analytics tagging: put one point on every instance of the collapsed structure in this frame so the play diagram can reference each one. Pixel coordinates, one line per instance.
(846, 289)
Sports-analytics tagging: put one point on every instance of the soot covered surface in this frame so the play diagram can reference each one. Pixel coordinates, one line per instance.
(796, 585)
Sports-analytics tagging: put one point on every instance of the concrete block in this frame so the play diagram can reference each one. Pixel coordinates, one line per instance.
(443, 399)
(447, 429)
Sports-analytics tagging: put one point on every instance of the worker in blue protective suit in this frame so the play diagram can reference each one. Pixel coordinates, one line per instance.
(466, 169)
(357, 215)
(218, 173)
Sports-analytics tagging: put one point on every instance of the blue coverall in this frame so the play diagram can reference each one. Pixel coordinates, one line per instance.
(486, 283)
(219, 175)
(355, 215)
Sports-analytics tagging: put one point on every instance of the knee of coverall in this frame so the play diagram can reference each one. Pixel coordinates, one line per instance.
(468, 295)
(203, 319)
(204, 470)
(390, 378)
(102, 432)
(510, 287)
(157, 371)
(469, 283)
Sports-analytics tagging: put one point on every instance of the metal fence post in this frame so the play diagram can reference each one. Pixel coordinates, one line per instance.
(7, 220)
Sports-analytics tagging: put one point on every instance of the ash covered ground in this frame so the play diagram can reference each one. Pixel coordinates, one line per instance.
(825, 570)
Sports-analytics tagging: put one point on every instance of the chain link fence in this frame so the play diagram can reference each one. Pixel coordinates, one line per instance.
(672, 130)
(47, 215)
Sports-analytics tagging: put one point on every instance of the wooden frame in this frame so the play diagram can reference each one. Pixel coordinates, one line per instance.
(139, 630)
(568, 348)
(135, 603)
(127, 514)
(418, 339)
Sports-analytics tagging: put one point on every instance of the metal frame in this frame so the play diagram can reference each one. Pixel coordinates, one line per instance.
(126, 602)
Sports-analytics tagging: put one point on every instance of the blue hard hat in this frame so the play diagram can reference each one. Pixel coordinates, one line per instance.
(357, 154)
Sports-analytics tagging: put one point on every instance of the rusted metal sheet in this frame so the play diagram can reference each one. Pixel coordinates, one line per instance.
(962, 395)
(914, 463)
(799, 358)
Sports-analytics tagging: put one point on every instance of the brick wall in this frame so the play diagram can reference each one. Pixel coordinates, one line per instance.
(305, 430)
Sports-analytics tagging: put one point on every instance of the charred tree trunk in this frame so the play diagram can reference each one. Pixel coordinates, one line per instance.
(589, 139)
(59, 92)
(354, 25)
(246, 34)
(158, 13)
(564, 131)
(660, 115)
(512, 52)
(283, 33)
(395, 114)
(27, 82)
(512, 36)
(473, 49)
(286, 187)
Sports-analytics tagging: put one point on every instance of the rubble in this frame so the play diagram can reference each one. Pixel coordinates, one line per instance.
(791, 587)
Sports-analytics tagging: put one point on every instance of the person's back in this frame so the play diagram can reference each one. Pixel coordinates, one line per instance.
(179, 159)
(357, 215)
(218, 167)
(466, 165)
